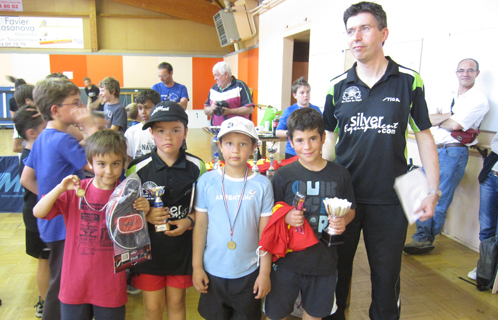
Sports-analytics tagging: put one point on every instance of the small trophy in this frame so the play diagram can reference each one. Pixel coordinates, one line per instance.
(298, 203)
(255, 162)
(158, 192)
(216, 161)
(336, 208)
(271, 170)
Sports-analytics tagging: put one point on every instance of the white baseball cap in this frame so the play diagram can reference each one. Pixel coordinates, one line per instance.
(240, 125)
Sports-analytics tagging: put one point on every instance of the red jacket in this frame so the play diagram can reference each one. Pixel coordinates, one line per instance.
(278, 237)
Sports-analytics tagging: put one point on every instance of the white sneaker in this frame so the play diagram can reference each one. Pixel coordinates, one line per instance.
(473, 274)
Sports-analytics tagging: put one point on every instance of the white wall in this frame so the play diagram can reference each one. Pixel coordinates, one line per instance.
(422, 36)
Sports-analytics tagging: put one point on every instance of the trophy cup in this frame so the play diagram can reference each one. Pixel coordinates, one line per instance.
(157, 192)
(255, 162)
(336, 208)
(271, 170)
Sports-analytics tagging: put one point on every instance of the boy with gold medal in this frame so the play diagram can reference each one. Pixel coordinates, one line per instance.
(225, 264)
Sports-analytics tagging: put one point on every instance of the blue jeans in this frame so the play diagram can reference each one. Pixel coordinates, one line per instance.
(452, 163)
(488, 208)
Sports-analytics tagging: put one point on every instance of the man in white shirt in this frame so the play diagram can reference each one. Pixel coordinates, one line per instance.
(467, 109)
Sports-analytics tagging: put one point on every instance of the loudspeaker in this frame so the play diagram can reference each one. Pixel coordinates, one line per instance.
(224, 21)
(233, 25)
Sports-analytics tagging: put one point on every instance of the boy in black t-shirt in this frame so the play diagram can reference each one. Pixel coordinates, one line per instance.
(30, 124)
(312, 271)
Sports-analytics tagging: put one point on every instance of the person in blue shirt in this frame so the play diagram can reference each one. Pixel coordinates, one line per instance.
(168, 88)
(301, 91)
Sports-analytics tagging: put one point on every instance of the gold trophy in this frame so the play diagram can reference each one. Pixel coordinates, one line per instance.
(158, 192)
(336, 208)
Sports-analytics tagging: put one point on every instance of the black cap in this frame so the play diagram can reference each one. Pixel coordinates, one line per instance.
(166, 111)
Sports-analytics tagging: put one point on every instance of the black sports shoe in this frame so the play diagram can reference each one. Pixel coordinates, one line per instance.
(418, 247)
(39, 309)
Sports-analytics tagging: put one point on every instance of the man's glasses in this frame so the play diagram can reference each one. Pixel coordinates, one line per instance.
(462, 71)
(365, 29)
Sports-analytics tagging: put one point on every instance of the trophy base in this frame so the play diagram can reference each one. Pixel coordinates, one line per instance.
(332, 239)
(162, 227)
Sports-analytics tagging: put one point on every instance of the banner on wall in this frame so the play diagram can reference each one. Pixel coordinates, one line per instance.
(40, 32)
(11, 191)
(10, 5)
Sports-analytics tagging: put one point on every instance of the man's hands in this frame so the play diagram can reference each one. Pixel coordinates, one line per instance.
(428, 205)
(209, 110)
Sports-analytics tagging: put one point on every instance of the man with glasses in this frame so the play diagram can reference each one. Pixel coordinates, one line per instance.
(465, 111)
(168, 88)
(369, 108)
(228, 97)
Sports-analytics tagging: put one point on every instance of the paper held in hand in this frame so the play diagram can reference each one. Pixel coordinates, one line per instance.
(412, 188)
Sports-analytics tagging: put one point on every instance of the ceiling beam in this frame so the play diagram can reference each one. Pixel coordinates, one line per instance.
(135, 16)
(43, 14)
(194, 10)
(92, 14)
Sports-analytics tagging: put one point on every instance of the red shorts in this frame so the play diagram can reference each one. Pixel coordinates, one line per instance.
(149, 282)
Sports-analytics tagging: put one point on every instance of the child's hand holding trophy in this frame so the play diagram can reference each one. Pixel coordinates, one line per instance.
(335, 208)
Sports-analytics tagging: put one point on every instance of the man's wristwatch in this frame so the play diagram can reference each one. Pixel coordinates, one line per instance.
(192, 223)
(437, 192)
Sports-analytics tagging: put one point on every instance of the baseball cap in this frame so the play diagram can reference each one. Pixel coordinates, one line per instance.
(166, 111)
(240, 125)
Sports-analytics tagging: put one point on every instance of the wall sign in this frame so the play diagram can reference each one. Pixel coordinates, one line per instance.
(10, 5)
(40, 32)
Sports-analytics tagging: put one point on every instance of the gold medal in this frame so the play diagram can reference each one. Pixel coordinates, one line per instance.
(80, 192)
(231, 245)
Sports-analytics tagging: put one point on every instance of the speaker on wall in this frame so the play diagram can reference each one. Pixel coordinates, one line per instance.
(226, 27)
(233, 24)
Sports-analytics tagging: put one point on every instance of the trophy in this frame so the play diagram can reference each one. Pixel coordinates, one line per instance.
(255, 162)
(158, 192)
(271, 170)
(216, 161)
(298, 203)
(336, 208)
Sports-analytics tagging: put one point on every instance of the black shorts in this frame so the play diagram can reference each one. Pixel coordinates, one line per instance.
(317, 294)
(230, 299)
(90, 311)
(35, 246)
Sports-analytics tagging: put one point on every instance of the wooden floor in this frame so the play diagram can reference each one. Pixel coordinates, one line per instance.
(431, 287)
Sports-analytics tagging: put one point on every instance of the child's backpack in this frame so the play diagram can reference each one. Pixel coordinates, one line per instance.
(487, 266)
